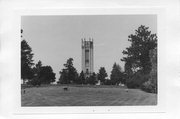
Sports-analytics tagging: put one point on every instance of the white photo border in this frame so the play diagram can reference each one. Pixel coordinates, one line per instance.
(14, 38)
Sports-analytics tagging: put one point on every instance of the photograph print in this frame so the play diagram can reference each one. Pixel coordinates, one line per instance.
(89, 60)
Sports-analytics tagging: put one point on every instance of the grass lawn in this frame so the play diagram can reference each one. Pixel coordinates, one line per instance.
(86, 96)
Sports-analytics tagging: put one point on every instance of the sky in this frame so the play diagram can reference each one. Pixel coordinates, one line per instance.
(54, 39)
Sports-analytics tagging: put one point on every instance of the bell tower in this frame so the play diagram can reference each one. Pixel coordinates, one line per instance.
(87, 56)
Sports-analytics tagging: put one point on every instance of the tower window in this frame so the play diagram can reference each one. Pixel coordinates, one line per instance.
(87, 71)
(86, 57)
(86, 54)
(87, 62)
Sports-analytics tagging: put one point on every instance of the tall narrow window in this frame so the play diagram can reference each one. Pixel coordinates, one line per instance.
(87, 58)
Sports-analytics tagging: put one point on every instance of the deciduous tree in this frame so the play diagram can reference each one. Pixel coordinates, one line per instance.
(46, 75)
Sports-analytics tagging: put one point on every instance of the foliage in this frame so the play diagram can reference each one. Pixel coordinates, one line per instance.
(26, 60)
(151, 84)
(117, 75)
(138, 61)
(69, 73)
(64, 77)
(37, 68)
(81, 78)
(149, 87)
(92, 79)
(137, 80)
(42, 75)
(46, 75)
(108, 82)
(138, 53)
(39, 65)
(102, 75)
(38, 74)
(34, 81)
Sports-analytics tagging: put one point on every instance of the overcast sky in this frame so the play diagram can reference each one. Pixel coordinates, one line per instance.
(54, 39)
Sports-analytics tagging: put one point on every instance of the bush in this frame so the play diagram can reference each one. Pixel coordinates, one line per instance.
(137, 80)
(149, 87)
(151, 84)
(35, 82)
(108, 82)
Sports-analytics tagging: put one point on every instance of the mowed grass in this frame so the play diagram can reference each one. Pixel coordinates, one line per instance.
(86, 96)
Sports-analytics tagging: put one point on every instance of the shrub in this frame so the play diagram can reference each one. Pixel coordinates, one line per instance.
(151, 84)
(108, 82)
(35, 82)
(136, 80)
(149, 87)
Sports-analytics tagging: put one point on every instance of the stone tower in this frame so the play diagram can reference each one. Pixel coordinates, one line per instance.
(87, 57)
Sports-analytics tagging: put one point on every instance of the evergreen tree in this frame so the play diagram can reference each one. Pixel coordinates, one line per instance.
(39, 65)
(37, 68)
(64, 77)
(81, 79)
(137, 58)
(117, 75)
(102, 75)
(69, 73)
(26, 60)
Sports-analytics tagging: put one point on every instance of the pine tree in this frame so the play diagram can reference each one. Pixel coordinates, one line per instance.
(102, 75)
(64, 77)
(137, 58)
(69, 73)
(117, 75)
(26, 60)
(81, 79)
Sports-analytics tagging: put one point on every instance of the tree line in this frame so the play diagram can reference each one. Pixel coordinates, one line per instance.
(140, 70)
(69, 75)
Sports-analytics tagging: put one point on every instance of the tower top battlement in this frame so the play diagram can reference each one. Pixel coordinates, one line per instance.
(87, 43)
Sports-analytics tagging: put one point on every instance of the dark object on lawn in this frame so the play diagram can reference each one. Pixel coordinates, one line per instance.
(24, 91)
(127, 90)
(65, 89)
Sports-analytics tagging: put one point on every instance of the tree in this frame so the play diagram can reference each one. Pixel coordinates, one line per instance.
(92, 79)
(117, 75)
(36, 71)
(26, 60)
(137, 58)
(35, 81)
(64, 77)
(102, 75)
(151, 84)
(69, 73)
(46, 75)
(37, 68)
(39, 65)
(81, 79)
